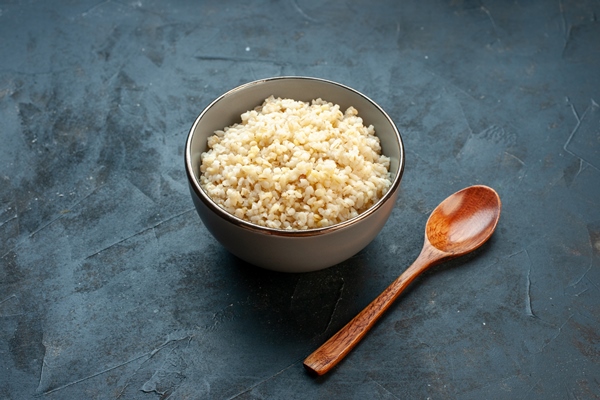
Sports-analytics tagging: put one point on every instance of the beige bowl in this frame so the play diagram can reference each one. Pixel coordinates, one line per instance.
(284, 250)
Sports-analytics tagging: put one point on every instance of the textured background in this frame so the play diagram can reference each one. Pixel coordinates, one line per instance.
(111, 288)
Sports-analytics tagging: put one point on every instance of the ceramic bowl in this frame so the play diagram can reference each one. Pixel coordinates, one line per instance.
(285, 250)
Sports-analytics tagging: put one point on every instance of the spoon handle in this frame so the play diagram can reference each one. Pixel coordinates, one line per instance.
(339, 345)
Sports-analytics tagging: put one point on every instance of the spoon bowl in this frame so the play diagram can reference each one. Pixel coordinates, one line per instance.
(464, 221)
(458, 225)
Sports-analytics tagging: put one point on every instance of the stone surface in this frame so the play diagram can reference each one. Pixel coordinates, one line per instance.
(111, 288)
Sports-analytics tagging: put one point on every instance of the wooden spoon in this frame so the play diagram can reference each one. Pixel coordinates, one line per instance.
(459, 225)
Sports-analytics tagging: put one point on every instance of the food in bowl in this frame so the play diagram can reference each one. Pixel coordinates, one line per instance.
(295, 165)
(291, 250)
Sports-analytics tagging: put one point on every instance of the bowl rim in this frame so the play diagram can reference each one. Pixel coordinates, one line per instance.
(247, 225)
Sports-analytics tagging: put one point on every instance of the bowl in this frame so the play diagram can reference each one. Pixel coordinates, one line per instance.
(291, 250)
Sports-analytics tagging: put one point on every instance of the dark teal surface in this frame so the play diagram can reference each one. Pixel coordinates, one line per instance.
(111, 288)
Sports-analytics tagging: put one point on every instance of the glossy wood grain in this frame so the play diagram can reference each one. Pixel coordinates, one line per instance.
(459, 225)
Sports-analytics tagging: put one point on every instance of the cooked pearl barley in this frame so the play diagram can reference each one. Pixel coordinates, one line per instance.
(295, 165)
